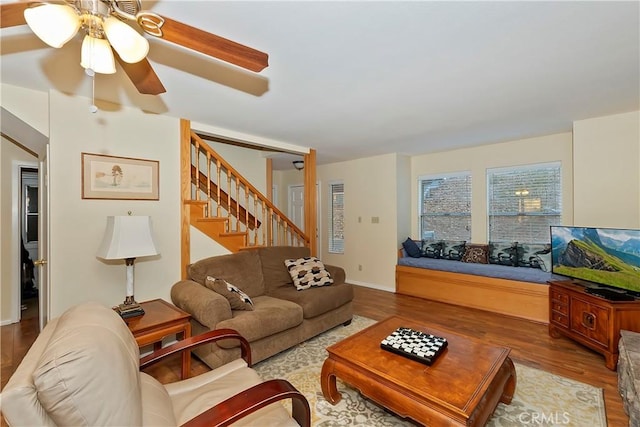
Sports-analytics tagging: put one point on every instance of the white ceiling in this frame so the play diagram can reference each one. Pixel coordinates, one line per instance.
(356, 79)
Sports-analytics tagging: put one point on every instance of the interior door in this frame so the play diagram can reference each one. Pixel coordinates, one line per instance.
(296, 205)
(43, 237)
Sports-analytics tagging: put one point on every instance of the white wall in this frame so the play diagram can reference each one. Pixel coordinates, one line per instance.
(607, 171)
(11, 156)
(30, 106)
(77, 225)
(477, 160)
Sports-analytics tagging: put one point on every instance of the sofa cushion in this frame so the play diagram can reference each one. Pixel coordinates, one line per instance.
(316, 301)
(308, 272)
(272, 260)
(157, 408)
(243, 269)
(269, 316)
(75, 378)
(238, 300)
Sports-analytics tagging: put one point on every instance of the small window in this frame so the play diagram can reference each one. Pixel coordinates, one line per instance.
(445, 207)
(523, 202)
(336, 218)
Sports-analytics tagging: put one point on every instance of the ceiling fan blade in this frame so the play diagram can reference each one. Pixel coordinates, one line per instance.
(215, 46)
(12, 14)
(142, 75)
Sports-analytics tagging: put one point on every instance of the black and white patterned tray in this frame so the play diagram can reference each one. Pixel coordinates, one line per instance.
(416, 345)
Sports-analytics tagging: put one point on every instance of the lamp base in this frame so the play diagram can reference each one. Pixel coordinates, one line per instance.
(129, 310)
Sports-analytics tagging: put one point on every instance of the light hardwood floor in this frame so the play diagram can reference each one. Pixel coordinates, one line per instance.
(530, 343)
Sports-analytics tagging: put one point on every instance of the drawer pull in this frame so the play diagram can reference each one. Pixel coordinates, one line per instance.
(588, 320)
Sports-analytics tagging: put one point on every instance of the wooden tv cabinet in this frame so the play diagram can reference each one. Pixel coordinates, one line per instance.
(590, 320)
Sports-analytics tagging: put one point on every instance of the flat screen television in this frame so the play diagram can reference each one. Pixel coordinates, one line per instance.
(605, 256)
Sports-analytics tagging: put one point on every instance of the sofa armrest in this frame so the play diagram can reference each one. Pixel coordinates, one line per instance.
(206, 306)
(337, 273)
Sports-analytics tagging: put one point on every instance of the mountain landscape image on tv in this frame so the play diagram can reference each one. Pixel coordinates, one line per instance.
(605, 256)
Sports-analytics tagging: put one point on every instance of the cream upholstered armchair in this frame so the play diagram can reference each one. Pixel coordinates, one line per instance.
(84, 369)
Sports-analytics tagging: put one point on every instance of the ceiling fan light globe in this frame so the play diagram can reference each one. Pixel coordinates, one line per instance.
(54, 24)
(96, 55)
(129, 44)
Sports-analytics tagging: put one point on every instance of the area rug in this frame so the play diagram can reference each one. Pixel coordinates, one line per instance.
(541, 398)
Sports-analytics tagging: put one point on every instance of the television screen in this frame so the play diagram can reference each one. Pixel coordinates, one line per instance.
(605, 256)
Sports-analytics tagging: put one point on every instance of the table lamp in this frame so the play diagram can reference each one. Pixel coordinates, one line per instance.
(128, 238)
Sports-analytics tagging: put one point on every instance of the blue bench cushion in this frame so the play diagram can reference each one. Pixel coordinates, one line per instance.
(522, 274)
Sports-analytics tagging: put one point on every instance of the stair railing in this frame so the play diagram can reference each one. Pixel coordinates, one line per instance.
(228, 194)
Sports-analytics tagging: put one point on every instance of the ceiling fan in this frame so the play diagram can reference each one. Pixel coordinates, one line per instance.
(108, 36)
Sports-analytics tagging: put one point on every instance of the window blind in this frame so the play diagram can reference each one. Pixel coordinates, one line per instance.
(523, 202)
(445, 202)
(336, 217)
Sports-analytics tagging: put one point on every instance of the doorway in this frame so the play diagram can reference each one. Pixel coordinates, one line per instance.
(29, 220)
(296, 210)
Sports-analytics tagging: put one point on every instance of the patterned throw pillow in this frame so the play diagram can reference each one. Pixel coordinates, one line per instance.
(453, 249)
(238, 300)
(431, 248)
(476, 253)
(504, 253)
(535, 255)
(307, 272)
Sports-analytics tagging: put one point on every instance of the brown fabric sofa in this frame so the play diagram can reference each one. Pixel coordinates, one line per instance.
(282, 315)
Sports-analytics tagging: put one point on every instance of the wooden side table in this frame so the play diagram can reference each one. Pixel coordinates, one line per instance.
(159, 320)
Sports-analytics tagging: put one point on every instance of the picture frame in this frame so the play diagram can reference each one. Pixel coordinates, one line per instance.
(119, 178)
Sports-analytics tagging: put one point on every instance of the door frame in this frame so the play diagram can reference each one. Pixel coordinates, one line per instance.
(16, 189)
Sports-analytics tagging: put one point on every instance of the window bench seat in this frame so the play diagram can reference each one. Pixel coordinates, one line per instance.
(515, 291)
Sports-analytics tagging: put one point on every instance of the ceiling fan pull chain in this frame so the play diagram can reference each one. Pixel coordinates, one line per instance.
(93, 108)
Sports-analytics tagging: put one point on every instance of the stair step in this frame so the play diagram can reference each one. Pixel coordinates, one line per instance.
(235, 233)
(214, 219)
(196, 202)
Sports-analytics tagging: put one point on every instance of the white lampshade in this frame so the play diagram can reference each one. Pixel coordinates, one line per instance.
(54, 24)
(129, 44)
(97, 55)
(127, 237)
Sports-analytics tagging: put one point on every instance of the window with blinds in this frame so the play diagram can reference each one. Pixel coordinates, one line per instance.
(445, 207)
(336, 217)
(523, 202)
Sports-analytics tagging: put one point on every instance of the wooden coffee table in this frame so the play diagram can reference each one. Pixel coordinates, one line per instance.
(462, 387)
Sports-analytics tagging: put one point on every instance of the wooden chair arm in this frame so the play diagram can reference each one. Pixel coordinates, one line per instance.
(191, 342)
(252, 399)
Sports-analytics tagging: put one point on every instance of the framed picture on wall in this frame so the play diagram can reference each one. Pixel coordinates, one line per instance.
(119, 178)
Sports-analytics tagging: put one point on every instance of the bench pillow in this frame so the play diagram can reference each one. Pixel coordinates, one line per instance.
(476, 253)
(412, 248)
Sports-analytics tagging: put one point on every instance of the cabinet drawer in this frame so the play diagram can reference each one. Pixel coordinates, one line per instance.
(559, 307)
(560, 319)
(560, 297)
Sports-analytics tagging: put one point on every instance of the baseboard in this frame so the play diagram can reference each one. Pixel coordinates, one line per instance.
(8, 322)
(372, 285)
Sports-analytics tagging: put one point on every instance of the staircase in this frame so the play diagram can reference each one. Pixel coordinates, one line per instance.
(222, 204)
